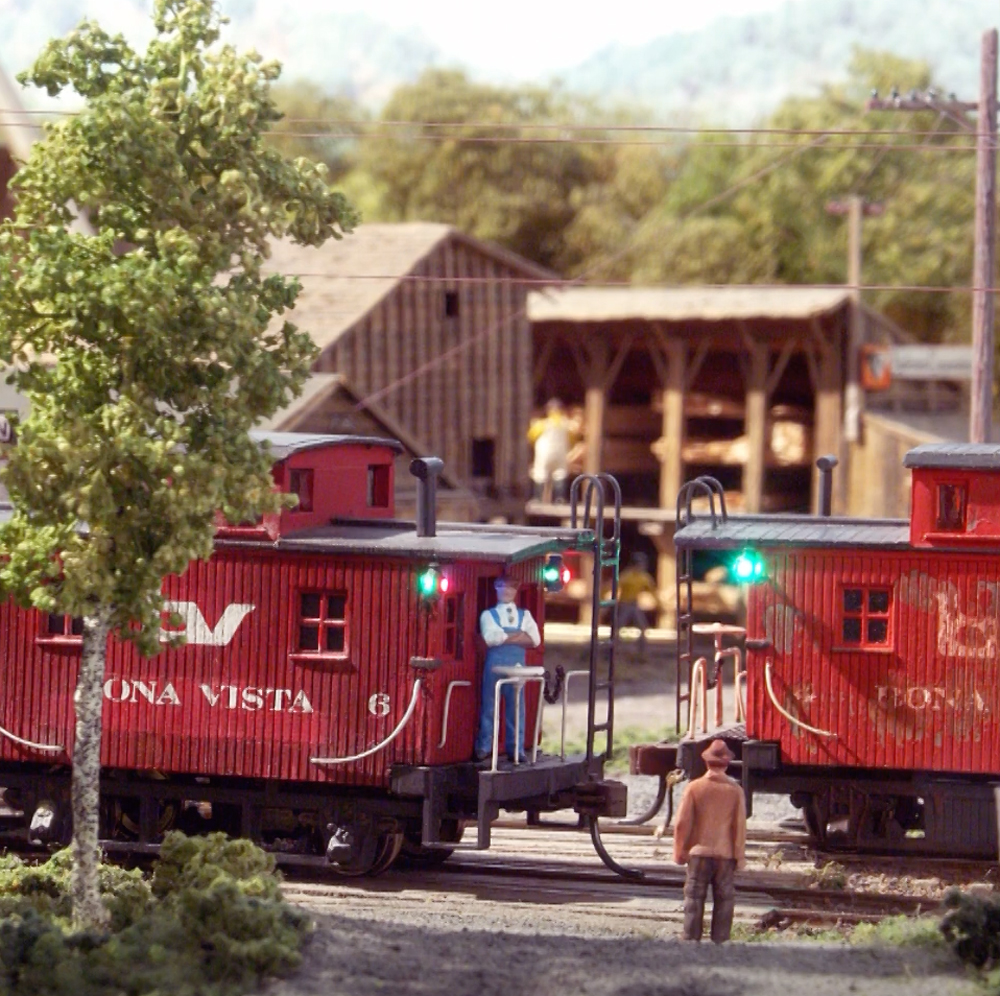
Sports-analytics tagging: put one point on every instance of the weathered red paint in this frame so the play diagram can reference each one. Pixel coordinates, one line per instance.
(929, 700)
(239, 699)
(980, 518)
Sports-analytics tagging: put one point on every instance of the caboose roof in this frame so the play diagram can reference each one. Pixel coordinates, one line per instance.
(454, 541)
(284, 444)
(793, 530)
(962, 456)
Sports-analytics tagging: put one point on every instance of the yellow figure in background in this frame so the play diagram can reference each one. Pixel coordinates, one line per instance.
(552, 436)
(636, 586)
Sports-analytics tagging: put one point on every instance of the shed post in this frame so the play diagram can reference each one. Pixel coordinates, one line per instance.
(755, 422)
(828, 422)
(593, 405)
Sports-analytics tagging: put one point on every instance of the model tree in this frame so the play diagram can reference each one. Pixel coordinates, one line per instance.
(145, 340)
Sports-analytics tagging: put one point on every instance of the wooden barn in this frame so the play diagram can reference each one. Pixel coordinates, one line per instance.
(745, 384)
(428, 328)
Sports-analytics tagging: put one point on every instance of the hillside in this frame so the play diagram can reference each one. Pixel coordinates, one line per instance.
(734, 71)
(742, 67)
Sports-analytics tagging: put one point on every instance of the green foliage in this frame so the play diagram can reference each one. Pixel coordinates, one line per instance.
(45, 889)
(146, 346)
(212, 927)
(467, 161)
(971, 926)
(900, 931)
(314, 124)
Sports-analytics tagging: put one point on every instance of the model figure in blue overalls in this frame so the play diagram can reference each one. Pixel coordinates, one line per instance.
(507, 631)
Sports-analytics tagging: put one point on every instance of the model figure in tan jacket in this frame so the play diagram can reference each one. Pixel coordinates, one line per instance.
(710, 838)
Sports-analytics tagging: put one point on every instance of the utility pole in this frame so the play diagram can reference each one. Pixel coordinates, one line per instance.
(981, 415)
(855, 207)
(984, 256)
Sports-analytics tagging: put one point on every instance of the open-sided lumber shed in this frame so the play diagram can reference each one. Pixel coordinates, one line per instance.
(745, 384)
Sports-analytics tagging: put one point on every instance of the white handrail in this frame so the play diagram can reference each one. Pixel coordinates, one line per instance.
(788, 715)
(698, 673)
(385, 743)
(565, 699)
(29, 743)
(452, 685)
(740, 704)
(517, 675)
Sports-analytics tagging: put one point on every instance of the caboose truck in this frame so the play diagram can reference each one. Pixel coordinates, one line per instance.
(326, 696)
(871, 657)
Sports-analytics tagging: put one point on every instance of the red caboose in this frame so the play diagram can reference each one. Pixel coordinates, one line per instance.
(327, 691)
(870, 659)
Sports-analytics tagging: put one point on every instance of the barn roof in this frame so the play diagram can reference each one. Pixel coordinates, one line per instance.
(963, 456)
(674, 304)
(793, 530)
(344, 279)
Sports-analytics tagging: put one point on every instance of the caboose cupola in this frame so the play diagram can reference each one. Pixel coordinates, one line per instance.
(956, 495)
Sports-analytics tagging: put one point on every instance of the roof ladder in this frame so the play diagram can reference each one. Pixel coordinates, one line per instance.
(593, 492)
(700, 487)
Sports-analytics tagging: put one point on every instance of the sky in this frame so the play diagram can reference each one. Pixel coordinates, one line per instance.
(518, 39)
(532, 38)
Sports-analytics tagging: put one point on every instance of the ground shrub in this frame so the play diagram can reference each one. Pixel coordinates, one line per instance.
(211, 922)
(971, 926)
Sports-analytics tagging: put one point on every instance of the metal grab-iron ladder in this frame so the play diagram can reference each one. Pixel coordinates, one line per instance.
(592, 491)
(700, 487)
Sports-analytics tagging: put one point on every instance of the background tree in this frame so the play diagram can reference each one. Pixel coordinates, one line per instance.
(316, 125)
(472, 159)
(160, 327)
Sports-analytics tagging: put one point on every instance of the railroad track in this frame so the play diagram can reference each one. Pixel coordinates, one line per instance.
(549, 866)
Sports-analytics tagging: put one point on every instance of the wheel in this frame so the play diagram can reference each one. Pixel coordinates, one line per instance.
(815, 819)
(417, 856)
(353, 850)
(122, 818)
(390, 844)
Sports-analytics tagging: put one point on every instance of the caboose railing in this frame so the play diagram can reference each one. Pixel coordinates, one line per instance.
(587, 498)
(700, 487)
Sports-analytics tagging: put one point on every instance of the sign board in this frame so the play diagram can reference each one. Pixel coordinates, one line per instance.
(879, 366)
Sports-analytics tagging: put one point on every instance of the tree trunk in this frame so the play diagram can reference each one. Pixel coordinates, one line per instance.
(88, 910)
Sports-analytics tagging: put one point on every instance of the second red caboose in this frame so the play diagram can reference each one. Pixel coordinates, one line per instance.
(871, 657)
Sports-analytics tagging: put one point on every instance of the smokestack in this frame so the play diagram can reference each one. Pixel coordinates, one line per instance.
(826, 465)
(426, 470)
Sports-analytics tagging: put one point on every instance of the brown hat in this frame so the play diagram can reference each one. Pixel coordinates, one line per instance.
(717, 754)
(506, 580)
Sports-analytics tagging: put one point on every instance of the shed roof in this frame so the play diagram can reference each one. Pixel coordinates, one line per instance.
(964, 456)
(793, 530)
(674, 304)
(344, 279)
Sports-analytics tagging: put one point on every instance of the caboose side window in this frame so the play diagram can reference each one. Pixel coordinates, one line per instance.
(378, 485)
(952, 500)
(300, 482)
(59, 629)
(454, 627)
(322, 629)
(865, 618)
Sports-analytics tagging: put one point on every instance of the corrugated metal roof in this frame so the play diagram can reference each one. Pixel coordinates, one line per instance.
(344, 279)
(284, 444)
(793, 530)
(978, 456)
(595, 304)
